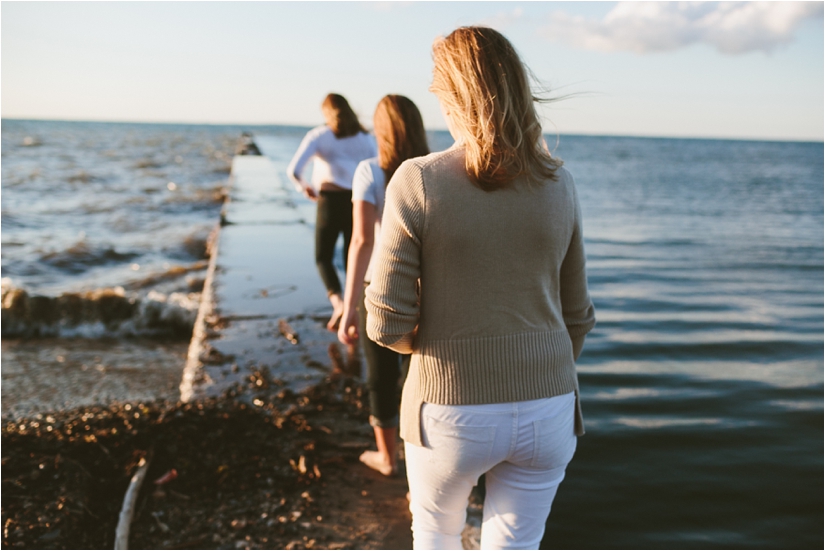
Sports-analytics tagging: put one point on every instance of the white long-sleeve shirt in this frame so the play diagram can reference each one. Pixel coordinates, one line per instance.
(335, 159)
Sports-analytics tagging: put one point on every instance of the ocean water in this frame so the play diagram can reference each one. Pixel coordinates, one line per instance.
(92, 205)
(702, 383)
(104, 231)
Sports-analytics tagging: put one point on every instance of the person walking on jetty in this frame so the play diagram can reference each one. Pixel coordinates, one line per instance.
(492, 230)
(336, 147)
(400, 133)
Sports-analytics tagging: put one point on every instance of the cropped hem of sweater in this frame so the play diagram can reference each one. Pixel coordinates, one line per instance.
(503, 308)
(492, 379)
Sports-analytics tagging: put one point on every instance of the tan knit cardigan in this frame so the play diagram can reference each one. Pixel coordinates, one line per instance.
(502, 309)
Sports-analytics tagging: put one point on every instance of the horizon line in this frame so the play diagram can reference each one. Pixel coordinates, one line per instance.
(308, 126)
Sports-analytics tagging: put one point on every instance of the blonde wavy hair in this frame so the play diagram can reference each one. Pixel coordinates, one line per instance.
(483, 85)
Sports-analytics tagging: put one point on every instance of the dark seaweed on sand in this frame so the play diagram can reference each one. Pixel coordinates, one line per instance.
(248, 464)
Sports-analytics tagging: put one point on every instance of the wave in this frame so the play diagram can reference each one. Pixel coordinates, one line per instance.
(81, 256)
(9, 220)
(147, 163)
(196, 245)
(107, 312)
(642, 242)
(83, 177)
(206, 196)
(195, 284)
(754, 351)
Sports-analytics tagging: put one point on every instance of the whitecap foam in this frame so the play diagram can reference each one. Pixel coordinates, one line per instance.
(106, 312)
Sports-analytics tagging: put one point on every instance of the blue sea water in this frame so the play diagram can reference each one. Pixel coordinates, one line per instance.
(702, 383)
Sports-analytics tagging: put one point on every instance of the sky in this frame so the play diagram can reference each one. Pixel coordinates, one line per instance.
(751, 70)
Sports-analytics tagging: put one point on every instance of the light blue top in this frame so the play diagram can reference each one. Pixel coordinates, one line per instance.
(368, 185)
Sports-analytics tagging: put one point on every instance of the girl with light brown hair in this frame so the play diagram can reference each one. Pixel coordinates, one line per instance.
(480, 275)
(399, 131)
(336, 148)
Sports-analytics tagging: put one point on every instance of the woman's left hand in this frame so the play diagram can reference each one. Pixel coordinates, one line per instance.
(310, 194)
(348, 328)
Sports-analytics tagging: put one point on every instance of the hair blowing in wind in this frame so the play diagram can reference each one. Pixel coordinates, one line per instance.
(481, 81)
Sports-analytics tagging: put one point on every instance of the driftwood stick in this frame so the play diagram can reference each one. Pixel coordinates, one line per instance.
(128, 509)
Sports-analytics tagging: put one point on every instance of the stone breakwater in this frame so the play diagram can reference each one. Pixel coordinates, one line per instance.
(261, 277)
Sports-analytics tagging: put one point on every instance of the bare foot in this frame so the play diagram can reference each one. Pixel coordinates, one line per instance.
(376, 462)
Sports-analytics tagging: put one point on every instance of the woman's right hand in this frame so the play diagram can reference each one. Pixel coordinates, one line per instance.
(348, 328)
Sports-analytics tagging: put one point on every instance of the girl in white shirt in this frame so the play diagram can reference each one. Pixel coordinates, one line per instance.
(336, 147)
(400, 133)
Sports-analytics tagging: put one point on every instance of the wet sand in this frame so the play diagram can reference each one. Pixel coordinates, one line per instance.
(47, 375)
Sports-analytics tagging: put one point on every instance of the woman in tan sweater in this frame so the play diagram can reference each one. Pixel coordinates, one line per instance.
(481, 276)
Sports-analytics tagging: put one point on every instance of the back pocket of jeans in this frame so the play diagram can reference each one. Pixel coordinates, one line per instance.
(554, 441)
(459, 448)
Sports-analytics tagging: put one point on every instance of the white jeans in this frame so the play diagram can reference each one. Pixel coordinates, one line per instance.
(524, 447)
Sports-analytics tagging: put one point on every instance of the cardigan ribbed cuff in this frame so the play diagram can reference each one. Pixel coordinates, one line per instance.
(578, 327)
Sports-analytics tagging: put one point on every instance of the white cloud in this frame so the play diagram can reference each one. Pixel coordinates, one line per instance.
(643, 27)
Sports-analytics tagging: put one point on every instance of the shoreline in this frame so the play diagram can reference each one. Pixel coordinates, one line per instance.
(241, 372)
(281, 472)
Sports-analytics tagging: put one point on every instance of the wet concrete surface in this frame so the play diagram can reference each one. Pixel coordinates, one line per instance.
(264, 272)
(264, 318)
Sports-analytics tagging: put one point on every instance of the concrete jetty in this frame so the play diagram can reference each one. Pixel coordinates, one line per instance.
(261, 278)
(261, 274)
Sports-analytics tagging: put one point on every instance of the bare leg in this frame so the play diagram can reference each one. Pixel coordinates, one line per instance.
(385, 460)
(337, 311)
